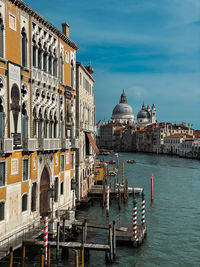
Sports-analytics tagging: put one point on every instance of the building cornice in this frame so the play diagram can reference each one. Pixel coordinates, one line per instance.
(45, 22)
(85, 70)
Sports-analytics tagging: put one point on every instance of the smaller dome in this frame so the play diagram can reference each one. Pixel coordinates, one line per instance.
(143, 114)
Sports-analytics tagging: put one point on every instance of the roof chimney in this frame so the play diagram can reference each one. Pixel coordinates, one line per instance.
(65, 28)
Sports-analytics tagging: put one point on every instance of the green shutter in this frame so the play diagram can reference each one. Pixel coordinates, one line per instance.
(2, 124)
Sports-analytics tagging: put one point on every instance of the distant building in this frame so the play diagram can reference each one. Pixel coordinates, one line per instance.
(86, 129)
(146, 115)
(123, 113)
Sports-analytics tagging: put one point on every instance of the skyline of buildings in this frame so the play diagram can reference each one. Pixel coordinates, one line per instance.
(156, 59)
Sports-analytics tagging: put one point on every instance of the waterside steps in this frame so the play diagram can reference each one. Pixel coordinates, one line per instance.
(16, 240)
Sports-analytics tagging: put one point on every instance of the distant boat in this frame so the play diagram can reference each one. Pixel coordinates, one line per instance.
(132, 161)
(110, 162)
(137, 190)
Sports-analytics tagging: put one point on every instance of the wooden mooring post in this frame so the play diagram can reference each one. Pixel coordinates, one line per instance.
(11, 257)
(42, 258)
(119, 196)
(114, 239)
(64, 229)
(57, 240)
(23, 254)
(49, 256)
(76, 259)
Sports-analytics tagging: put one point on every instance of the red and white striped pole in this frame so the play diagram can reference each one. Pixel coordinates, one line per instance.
(135, 238)
(152, 187)
(143, 209)
(45, 238)
(107, 200)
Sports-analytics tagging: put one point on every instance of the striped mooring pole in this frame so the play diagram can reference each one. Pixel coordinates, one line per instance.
(107, 200)
(143, 209)
(135, 238)
(45, 239)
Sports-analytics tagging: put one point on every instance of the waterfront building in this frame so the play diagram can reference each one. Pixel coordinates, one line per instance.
(146, 115)
(190, 147)
(86, 129)
(37, 117)
(172, 143)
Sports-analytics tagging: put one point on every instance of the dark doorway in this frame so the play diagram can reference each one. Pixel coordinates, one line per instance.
(44, 193)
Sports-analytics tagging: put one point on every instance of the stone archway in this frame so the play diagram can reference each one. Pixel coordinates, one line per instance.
(44, 192)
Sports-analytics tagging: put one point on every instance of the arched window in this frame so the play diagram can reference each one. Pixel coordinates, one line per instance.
(45, 61)
(72, 74)
(24, 122)
(61, 126)
(1, 37)
(55, 126)
(34, 54)
(46, 122)
(40, 57)
(61, 69)
(50, 61)
(55, 66)
(40, 121)
(2, 120)
(24, 47)
(51, 126)
(34, 123)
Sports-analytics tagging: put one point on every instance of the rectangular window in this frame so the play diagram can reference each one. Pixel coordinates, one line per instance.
(24, 202)
(33, 197)
(61, 188)
(62, 163)
(72, 161)
(1, 39)
(12, 21)
(56, 189)
(80, 78)
(2, 173)
(25, 169)
(2, 208)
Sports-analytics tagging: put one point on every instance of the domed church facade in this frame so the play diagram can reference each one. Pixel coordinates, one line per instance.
(122, 112)
(146, 115)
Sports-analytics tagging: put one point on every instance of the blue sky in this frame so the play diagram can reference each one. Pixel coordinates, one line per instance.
(149, 48)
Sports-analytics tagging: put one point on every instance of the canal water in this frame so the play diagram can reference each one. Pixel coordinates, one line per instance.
(173, 218)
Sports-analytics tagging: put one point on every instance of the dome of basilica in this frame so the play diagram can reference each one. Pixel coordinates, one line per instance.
(122, 109)
(123, 112)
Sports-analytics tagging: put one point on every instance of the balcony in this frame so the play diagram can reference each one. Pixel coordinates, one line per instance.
(45, 144)
(29, 144)
(6, 145)
(87, 127)
(75, 143)
(65, 144)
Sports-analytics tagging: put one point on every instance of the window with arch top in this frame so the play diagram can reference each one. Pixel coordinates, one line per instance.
(24, 47)
(1, 37)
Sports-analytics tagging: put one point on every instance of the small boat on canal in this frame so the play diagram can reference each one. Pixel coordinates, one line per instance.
(131, 161)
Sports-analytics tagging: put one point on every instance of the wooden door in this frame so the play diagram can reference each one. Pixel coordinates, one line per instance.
(44, 193)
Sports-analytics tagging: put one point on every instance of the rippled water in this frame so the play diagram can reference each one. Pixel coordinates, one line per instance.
(173, 237)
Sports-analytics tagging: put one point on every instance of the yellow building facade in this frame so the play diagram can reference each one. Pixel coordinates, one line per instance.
(37, 118)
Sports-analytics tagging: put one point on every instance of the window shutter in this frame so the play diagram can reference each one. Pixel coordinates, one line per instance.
(26, 127)
(62, 129)
(23, 126)
(23, 170)
(1, 174)
(2, 124)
